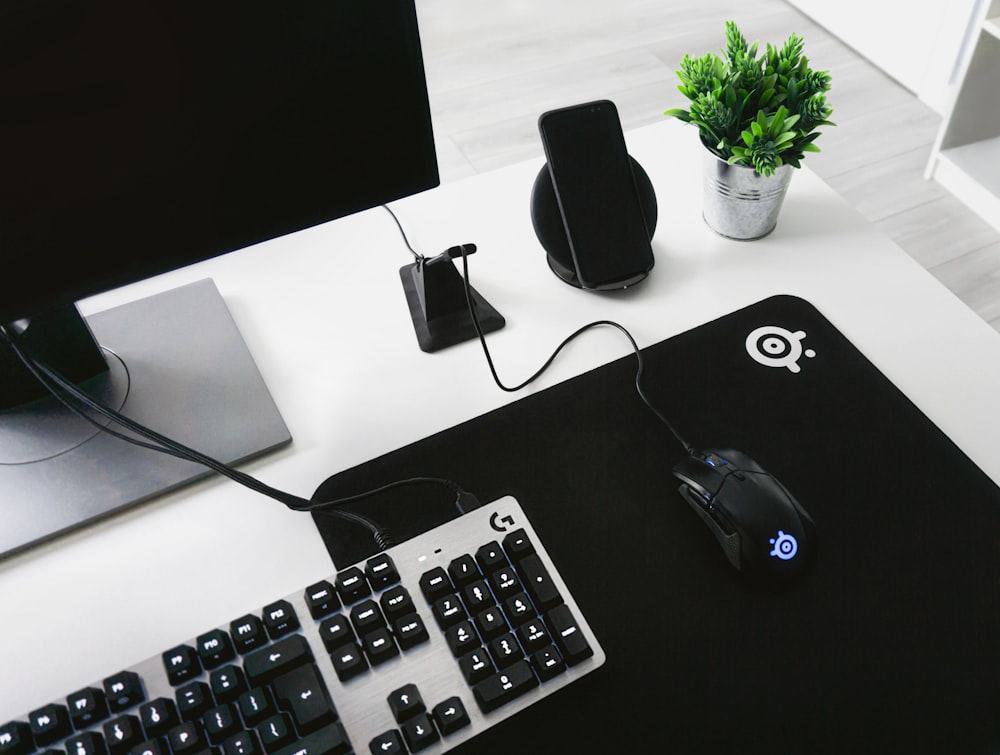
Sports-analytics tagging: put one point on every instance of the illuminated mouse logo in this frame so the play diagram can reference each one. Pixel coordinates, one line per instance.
(785, 546)
(773, 346)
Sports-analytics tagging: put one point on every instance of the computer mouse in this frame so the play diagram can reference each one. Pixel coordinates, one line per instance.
(763, 530)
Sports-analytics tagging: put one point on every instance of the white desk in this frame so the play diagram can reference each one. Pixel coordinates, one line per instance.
(324, 314)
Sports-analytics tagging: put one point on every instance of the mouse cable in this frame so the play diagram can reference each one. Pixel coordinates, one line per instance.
(548, 362)
(74, 399)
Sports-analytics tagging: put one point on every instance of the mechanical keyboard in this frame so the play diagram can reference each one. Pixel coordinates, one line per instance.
(417, 649)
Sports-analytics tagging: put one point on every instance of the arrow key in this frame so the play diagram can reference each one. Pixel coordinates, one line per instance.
(387, 743)
(450, 715)
(406, 702)
(419, 733)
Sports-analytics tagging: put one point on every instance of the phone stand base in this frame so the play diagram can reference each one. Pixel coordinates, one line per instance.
(547, 221)
(435, 294)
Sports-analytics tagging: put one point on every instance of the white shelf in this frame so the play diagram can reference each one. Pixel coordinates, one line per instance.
(966, 155)
(972, 173)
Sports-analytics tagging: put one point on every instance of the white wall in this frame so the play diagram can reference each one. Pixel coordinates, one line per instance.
(919, 43)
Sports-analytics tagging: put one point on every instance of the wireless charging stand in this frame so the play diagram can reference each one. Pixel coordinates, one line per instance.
(547, 220)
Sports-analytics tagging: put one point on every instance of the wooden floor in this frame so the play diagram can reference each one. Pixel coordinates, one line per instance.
(493, 67)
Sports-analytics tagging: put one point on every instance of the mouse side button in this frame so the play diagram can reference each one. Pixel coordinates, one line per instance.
(727, 536)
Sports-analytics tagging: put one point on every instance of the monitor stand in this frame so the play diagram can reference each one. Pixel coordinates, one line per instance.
(178, 365)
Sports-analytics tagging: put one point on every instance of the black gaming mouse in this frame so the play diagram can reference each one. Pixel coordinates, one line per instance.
(763, 530)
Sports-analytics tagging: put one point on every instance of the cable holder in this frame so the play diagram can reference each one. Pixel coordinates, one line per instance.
(439, 303)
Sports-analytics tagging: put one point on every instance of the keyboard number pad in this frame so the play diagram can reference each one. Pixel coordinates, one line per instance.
(504, 619)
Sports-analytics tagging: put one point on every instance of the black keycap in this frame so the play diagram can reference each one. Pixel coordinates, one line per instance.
(547, 663)
(193, 700)
(463, 570)
(461, 638)
(228, 682)
(248, 633)
(366, 616)
(491, 623)
(381, 571)
(477, 595)
(303, 694)
(505, 651)
(435, 584)
(267, 663)
(123, 690)
(275, 732)
(406, 702)
(379, 646)
(490, 557)
(182, 664)
(567, 635)
(49, 724)
(449, 611)
(244, 743)
(87, 708)
(518, 609)
(279, 619)
(221, 722)
(322, 599)
(157, 716)
(256, 705)
(86, 743)
(215, 648)
(187, 737)
(410, 631)
(348, 661)
(396, 602)
(15, 738)
(505, 582)
(330, 740)
(122, 734)
(504, 686)
(352, 585)
(450, 715)
(336, 631)
(533, 635)
(476, 665)
(517, 545)
(387, 743)
(419, 733)
(538, 584)
(151, 747)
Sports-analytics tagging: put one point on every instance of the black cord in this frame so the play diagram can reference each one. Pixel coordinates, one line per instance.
(548, 362)
(79, 403)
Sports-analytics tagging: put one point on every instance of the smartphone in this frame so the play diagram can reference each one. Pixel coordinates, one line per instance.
(601, 210)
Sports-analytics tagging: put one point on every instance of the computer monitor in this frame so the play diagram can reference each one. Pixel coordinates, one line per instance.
(140, 136)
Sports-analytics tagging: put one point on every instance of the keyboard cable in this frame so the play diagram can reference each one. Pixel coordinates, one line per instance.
(82, 405)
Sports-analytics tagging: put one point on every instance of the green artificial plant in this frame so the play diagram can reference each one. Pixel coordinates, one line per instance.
(762, 111)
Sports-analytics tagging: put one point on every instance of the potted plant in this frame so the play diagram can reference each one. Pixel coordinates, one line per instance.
(757, 117)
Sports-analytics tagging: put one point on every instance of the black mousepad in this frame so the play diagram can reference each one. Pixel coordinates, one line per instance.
(888, 644)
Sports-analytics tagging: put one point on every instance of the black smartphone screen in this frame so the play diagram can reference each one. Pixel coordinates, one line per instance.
(592, 176)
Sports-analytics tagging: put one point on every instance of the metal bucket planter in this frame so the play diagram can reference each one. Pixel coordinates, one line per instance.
(740, 203)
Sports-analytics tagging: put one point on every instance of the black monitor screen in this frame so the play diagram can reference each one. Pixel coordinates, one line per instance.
(141, 135)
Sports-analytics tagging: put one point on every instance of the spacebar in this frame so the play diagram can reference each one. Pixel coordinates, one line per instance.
(330, 740)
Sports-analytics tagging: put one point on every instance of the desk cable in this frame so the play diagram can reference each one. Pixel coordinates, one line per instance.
(82, 405)
(548, 362)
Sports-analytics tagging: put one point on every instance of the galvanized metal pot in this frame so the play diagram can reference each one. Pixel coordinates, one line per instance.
(740, 203)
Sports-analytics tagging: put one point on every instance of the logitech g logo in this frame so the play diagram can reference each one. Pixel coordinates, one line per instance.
(773, 346)
(785, 546)
(501, 523)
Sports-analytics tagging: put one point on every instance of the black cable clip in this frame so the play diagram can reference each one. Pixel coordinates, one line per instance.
(439, 303)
